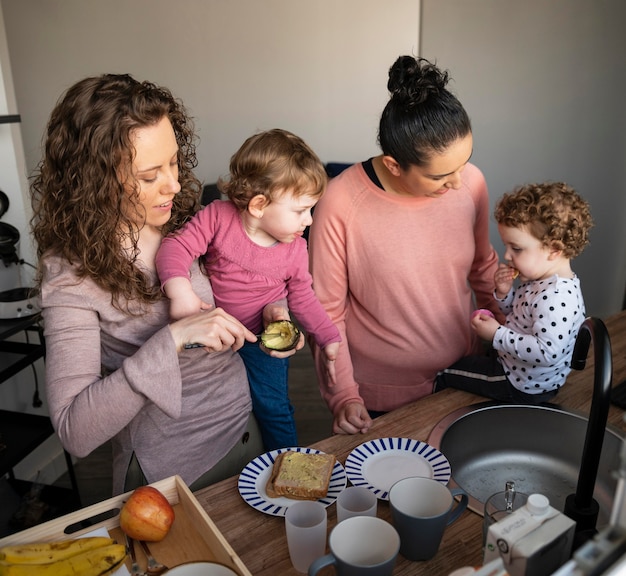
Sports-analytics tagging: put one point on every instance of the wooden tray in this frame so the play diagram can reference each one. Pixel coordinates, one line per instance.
(193, 536)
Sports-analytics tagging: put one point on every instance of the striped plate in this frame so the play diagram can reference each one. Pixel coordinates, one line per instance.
(255, 475)
(379, 464)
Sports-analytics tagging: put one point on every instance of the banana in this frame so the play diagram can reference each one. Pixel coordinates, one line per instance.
(45, 552)
(96, 562)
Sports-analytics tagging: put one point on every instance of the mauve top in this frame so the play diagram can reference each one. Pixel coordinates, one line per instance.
(110, 375)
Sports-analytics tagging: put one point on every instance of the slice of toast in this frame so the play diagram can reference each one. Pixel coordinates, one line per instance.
(300, 475)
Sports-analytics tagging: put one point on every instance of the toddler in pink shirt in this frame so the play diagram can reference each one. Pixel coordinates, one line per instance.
(254, 254)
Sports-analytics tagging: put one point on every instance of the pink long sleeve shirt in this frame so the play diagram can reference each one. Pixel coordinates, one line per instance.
(245, 276)
(397, 276)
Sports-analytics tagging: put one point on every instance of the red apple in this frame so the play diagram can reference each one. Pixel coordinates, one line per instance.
(146, 515)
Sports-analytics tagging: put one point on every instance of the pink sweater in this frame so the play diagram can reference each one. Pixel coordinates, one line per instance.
(245, 276)
(396, 275)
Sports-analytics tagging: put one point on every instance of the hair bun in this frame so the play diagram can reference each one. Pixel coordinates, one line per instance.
(413, 80)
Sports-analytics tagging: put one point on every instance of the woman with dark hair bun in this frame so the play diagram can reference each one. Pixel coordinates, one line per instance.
(422, 117)
(400, 252)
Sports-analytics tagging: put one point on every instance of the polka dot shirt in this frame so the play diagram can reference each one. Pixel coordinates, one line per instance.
(536, 343)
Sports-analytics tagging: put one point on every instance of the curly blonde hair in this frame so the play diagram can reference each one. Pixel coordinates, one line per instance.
(270, 163)
(77, 195)
(552, 212)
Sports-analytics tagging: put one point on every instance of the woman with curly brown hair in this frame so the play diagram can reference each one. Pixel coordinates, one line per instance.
(116, 176)
(542, 226)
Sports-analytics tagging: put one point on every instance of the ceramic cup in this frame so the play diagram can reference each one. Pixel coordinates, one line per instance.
(421, 508)
(496, 508)
(361, 546)
(305, 524)
(356, 501)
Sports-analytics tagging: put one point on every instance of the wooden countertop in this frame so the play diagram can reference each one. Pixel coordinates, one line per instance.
(259, 539)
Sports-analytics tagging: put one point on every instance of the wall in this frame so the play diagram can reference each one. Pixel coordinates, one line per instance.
(316, 68)
(544, 84)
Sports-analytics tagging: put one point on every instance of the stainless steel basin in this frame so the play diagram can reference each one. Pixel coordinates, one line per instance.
(539, 447)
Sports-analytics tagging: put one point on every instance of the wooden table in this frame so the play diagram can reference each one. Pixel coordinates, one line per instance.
(259, 539)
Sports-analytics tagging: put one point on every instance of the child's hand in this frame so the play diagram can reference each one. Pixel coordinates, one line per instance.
(274, 313)
(183, 307)
(330, 355)
(183, 300)
(485, 326)
(503, 279)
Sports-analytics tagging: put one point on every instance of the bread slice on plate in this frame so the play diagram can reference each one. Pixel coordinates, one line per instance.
(300, 475)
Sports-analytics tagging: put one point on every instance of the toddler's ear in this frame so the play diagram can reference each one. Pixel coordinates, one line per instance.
(555, 252)
(257, 205)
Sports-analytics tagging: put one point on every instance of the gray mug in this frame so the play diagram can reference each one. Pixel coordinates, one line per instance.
(421, 509)
(360, 546)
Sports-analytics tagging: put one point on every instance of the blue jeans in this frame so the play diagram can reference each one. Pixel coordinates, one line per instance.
(270, 397)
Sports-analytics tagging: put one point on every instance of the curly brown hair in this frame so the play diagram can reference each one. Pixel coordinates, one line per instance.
(271, 162)
(552, 212)
(76, 191)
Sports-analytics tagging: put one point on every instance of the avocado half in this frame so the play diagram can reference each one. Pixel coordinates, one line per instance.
(280, 336)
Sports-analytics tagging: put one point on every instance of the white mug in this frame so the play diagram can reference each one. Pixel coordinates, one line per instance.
(361, 546)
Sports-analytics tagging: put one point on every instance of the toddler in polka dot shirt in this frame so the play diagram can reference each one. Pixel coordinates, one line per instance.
(543, 227)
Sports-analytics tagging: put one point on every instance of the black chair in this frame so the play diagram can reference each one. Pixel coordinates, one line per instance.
(332, 169)
(210, 192)
(335, 168)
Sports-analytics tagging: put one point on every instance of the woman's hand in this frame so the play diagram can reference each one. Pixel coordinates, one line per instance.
(215, 330)
(352, 418)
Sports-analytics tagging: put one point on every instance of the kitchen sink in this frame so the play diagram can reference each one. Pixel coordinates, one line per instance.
(538, 447)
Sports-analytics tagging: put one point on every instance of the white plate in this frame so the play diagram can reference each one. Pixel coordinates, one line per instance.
(255, 475)
(201, 569)
(379, 464)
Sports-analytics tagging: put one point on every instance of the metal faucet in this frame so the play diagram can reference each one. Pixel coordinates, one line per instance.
(581, 506)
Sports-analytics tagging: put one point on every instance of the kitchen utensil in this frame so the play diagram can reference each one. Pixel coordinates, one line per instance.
(135, 570)
(154, 567)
